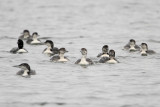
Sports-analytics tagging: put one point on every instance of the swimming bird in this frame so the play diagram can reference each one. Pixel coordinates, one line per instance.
(34, 40)
(84, 60)
(25, 35)
(25, 70)
(50, 50)
(19, 49)
(145, 51)
(111, 59)
(104, 52)
(131, 46)
(60, 57)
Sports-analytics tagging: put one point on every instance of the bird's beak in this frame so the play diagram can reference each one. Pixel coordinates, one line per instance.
(66, 51)
(17, 66)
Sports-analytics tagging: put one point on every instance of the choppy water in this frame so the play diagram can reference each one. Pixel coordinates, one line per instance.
(73, 24)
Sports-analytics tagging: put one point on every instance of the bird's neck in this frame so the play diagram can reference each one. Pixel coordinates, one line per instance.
(84, 57)
(104, 52)
(61, 56)
(35, 38)
(143, 50)
(132, 45)
(26, 36)
(25, 72)
(111, 57)
(49, 47)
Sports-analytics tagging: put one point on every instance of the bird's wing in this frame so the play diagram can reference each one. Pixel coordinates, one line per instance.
(32, 72)
(89, 60)
(99, 55)
(116, 60)
(66, 58)
(78, 61)
(25, 49)
(14, 50)
(127, 46)
(20, 72)
(44, 50)
(137, 47)
(29, 40)
(55, 50)
(55, 58)
(151, 52)
(103, 60)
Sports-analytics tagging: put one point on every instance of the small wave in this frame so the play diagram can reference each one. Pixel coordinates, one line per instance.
(46, 103)
(70, 43)
(5, 51)
(134, 95)
(2, 57)
(45, 38)
(128, 106)
(6, 37)
(42, 103)
(60, 103)
(114, 75)
(154, 41)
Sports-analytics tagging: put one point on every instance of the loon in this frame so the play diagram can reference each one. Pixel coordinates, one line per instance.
(111, 59)
(60, 57)
(84, 60)
(145, 51)
(104, 52)
(25, 70)
(50, 50)
(34, 40)
(19, 49)
(131, 46)
(25, 35)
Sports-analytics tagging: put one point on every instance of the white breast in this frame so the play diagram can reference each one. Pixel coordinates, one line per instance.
(112, 61)
(35, 41)
(26, 36)
(132, 48)
(62, 60)
(25, 73)
(21, 51)
(143, 53)
(83, 62)
(48, 51)
(105, 55)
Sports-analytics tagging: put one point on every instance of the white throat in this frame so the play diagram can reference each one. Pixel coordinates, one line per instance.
(112, 61)
(62, 58)
(105, 55)
(26, 36)
(48, 50)
(132, 47)
(35, 40)
(25, 73)
(21, 51)
(83, 60)
(143, 51)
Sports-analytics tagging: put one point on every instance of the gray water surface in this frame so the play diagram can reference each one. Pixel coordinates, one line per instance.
(74, 24)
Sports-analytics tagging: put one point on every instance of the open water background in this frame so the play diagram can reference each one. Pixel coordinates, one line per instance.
(74, 24)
